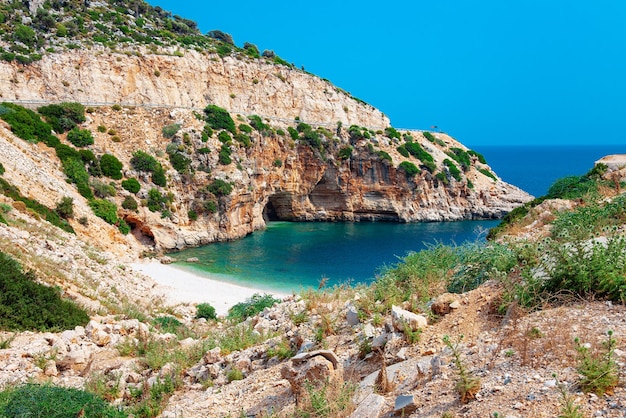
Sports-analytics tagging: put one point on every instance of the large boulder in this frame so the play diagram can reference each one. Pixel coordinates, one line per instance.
(315, 367)
(402, 319)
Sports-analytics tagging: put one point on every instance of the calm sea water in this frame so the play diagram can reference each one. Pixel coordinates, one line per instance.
(291, 256)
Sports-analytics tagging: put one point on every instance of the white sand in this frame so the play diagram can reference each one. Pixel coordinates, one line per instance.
(180, 286)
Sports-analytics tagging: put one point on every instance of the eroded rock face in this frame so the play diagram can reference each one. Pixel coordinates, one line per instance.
(192, 81)
(276, 178)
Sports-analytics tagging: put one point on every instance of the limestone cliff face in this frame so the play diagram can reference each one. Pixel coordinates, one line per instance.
(193, 81)
(277, 177)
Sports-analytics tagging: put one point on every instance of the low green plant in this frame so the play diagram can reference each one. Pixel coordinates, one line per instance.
(80, 137)
(131, 184)
(454, 171)
(282, 350)
(345, 153)
(234, 374)
(170, 130)
(45, 212)
(129, 203)
(111, 166)
(220, 187)
(467, 384)
(488, 174)
(326, 399)
(238, 338)
(219, 118)
(33, 400)
(104, 209)
(409, 169)
(6, 343)
(206, 311)
(28, 305)
(599, 371)
(252, 306)
(65, 208)
(568, 408)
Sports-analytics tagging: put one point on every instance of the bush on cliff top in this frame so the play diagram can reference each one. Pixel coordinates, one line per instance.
(219, 118)
(64, 116)
(28, 305)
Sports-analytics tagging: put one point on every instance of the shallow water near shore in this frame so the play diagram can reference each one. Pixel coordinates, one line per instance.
(290, 256)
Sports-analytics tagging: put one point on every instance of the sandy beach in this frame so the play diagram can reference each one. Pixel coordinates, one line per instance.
(180, 286)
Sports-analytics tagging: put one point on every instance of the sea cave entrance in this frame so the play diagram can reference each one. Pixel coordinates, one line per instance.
(279, 207)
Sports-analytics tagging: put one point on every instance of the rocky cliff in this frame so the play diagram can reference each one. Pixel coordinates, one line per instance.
(278, 175)
(192, 80)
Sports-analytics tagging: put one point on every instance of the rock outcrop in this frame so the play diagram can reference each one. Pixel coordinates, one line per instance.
(191, 81)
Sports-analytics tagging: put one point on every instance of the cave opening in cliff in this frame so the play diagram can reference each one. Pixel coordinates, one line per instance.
(140, 231)
(279, 207)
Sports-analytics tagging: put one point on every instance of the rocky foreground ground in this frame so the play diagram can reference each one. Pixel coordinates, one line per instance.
(515, 355)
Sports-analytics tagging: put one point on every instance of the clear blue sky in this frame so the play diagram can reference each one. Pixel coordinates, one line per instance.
(489, 72)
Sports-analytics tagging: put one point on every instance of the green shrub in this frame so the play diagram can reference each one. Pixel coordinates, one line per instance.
(245, 128)
(479, 156)
(391, 132)
(252, 306)
(155, 200)
(345, 152)
(454, 171)
(167, 324)
(257, 123)
(131, 184)
(403, 151)
(220, 188)
(129, 203)
(25, 35)
(142, 161)
(33, 400)
(158, 177)
(64, 116)
(102, 190)
(123, 227)
(2, 171)
(384, 156)
(418, 152)
(244, 140)
(460, 156)
(277, 162)
(27, 125)
(65, 208)
(409, 168)
(80, 137)
(599, 371)
(104, 209)
(111, 166)
(206, 311)
(192, 215)
(180, 162)
(219, 118)
(210, 206)
(293, 133)
(28, 305)
(224, 155)
(225, 138)
(170, 130)
(488, 174)
(45, 212)
(429, 136)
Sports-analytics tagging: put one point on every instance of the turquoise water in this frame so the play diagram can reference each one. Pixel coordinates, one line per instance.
(292, 255)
